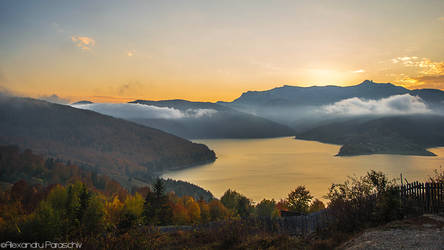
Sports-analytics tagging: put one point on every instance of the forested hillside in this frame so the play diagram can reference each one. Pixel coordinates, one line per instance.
(27, 167)
(112, 146)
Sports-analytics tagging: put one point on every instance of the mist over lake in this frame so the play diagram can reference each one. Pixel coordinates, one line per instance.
(270, 168)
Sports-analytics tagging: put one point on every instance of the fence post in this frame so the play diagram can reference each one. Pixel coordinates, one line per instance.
(427, 197)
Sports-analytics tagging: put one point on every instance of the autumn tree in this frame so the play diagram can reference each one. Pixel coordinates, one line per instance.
(237, 203)
(267, 209)
(217, 210)
(193, 209)
(299, 199)
(131, 212)
(204, 211)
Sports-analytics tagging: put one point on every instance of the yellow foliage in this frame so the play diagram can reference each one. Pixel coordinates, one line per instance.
(113, 210)
(193, 210)
(134, 204)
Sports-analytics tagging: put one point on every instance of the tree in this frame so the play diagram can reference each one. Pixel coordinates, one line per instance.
(230, 199)
(299, 199)
(131, 212)
(217, 210)
(157, 209)
(237, 203)
(438, 175)
(113, 210)
(93, 219)
(180, 214)
(193, 209)
(244, 207)
(204, 211)
(316, 205)
(267, 209)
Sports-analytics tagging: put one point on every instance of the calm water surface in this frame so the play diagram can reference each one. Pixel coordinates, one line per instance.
(270, 168)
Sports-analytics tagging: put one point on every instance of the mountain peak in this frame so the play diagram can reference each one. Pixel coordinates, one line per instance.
(367, 82)
(82, 102)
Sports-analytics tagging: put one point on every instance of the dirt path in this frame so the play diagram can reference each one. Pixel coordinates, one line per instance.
(425, 232)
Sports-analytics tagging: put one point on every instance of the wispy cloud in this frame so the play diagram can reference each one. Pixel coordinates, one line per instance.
(359, 71)
(83, 42)
(393, 105)
(425, 65)
(139, 111)
(406, 60)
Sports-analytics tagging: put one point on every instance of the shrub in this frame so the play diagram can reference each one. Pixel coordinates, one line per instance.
(364, 201)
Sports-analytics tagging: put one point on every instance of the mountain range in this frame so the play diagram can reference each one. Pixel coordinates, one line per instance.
(298, 107)
(368, 118)
(322, 95)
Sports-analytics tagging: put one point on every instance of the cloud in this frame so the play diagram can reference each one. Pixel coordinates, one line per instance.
(425, 65)
(131, 52)
(198, 113)
(83, 42)
(426, 81)
(135, 110)
(359, 71)
(425, 73)
(55, 99)
(441, 19)
(393, 105)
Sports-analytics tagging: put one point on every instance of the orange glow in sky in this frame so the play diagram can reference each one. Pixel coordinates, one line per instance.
(215, 50)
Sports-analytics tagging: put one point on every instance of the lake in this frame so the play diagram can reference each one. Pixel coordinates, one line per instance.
(271, 168)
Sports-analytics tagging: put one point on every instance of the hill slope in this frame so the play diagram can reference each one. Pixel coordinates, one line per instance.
(85, 137)
(410, 135)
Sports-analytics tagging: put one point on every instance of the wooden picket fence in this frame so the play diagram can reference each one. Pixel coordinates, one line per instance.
(427, 197)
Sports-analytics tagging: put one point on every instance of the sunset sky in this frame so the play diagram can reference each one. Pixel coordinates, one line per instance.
(113, 51)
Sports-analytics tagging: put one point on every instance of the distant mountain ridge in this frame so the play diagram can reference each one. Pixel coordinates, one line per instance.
(81, 102)
(321, 95)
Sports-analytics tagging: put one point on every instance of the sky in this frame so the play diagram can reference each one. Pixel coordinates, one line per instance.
(117, 51)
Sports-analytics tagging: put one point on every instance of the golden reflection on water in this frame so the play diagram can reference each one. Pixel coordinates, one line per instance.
(270, 168)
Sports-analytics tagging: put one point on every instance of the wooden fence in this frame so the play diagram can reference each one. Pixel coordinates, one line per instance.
(304, 224)
(427, 197)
